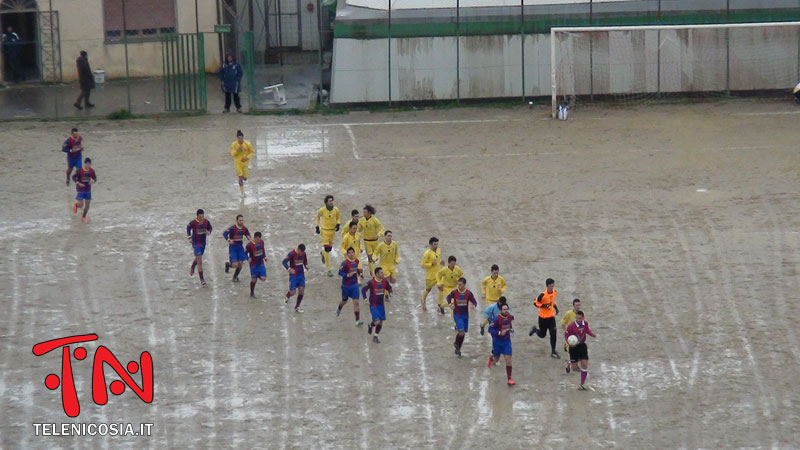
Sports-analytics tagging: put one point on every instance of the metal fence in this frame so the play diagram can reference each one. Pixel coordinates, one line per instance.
(456, 52)
(285, 48)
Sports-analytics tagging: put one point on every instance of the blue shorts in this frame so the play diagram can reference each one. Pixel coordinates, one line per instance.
(378, 313)
(199, 249)
(83, 196)
(462, 322)
(258, 271)
(501, 347)
(296, 281)
(74, 162)
(237, 253)
(350, 292)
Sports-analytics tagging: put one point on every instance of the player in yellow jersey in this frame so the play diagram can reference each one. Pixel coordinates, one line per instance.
(447, 280)
(492, 288)
(241, 151)
(432, 262)
(327, 223)
(352, 239)
(388, 256)
(371, 229)
(354, 215)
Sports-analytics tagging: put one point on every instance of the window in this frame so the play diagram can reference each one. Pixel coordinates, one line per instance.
(145, 20)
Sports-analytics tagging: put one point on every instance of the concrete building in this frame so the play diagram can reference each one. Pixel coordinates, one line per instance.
(53, 32)
(431, 50)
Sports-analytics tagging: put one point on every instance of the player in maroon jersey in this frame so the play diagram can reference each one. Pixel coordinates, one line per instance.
(379, 291)
(579, 353)
(296, 264)
(460, 300)
(235, 235)
(196, 232)
(84, 178)
(350, 271)
(73, 147)
(256, 257)
(501, 331)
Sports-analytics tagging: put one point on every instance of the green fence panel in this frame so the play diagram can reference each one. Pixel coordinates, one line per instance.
(183, 56)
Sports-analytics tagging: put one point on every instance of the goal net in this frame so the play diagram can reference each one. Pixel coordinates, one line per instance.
(650, 63)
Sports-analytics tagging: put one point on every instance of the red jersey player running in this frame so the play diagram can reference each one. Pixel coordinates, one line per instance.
(196, 232)
(501, 331)
(84, 179)
(73, 147)
(579, 352)
(350, 270)
(379, 290)
(296, 264)
(256, 257)
(459, 300)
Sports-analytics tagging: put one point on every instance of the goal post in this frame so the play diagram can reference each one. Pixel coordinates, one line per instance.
(630, 63)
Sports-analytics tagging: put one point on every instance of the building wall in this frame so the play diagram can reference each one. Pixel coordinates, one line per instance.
(81, 28)
(621, 63)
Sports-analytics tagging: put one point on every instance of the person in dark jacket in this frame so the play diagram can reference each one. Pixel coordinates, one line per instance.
(11, 49)
(231, 75)
(86, 80)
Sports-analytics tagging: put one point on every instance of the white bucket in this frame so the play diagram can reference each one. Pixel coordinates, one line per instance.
(99, 76)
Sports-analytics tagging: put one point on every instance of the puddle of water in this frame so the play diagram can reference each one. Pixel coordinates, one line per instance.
(283, 142)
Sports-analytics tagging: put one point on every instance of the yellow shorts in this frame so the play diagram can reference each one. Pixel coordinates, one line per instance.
(490, 302)
(430, 283)
(241, 169)
(446, 290)
(326, 237)
(369, 246)
(389, 272)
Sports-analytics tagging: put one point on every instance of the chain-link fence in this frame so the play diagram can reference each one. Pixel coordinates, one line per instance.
(285, 48)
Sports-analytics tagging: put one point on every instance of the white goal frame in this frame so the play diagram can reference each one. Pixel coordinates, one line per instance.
(556, 30)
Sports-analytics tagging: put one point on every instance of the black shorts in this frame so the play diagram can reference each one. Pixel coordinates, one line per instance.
(547, 324)
(578, 352)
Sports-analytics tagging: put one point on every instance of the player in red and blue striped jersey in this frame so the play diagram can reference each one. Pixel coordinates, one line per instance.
(196, 232)
(501, 330)
(256, 256)
(84, 178)
(235, 235)
(350, 271)
(73, 147)
(296, 264)
(460, 299)
(379, 291)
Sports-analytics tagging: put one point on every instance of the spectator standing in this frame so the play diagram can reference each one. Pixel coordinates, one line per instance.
(231, 76)
(11, 49)
(86, 79)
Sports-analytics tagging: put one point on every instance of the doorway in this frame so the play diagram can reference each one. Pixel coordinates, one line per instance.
(21, 15)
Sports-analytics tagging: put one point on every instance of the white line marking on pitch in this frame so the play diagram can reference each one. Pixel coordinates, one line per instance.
(352, 140)
(772, 113)
(417, 334)
(316, 125)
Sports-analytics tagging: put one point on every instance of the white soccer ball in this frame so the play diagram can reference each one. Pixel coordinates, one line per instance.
(573, 340)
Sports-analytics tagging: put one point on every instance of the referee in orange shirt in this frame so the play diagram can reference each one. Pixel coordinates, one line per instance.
(546, 302)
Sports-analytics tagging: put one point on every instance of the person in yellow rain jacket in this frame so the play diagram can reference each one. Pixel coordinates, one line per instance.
(241, 151)
(387, 255)
(371, 229)
(431, 262)
(327, 224)
(352, 239)
(492, 288)
(447, 281)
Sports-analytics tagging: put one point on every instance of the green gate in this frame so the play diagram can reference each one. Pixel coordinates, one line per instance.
(184, 61)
